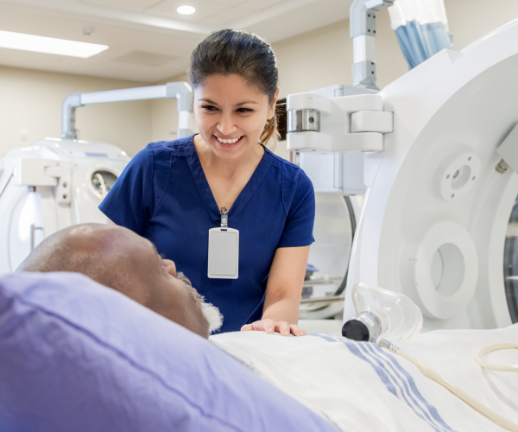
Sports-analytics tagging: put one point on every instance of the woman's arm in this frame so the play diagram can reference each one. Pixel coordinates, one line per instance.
(283, 290)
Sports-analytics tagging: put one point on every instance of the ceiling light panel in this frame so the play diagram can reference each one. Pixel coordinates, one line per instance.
(186, 10)
(128, 5)
(47, 45)
(204, 9)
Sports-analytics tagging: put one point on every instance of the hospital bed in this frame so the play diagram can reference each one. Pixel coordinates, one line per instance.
(79, 356)
(358, 386)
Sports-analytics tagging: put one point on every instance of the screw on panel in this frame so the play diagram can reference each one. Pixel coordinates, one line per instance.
(502, 166)
(447, 177)
(452, 195)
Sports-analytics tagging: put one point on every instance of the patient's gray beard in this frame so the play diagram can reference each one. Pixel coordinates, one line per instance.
(211, 314)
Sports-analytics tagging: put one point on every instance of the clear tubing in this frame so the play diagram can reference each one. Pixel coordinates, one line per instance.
(437, 377)
(495, 366)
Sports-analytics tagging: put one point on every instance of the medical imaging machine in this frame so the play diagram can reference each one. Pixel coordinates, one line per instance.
(438, 151)
(58, 182)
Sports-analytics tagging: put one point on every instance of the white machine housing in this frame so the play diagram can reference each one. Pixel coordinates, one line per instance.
(439, 195)
(58, 182)
(50, 185)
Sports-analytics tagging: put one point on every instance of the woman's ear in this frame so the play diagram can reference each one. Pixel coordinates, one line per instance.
(271, 111)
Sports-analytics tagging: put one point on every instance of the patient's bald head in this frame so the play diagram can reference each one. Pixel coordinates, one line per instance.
(104, 253)
(120, 259)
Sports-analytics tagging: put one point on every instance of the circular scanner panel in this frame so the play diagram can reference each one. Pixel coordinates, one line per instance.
(100, 179)
(459, 175)
(446, 270)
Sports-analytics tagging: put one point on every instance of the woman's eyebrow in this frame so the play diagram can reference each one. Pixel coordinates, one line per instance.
(208, 101)
(238, 104)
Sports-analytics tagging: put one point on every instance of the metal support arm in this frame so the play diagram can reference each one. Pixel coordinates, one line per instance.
(181, 91)
(363, 17)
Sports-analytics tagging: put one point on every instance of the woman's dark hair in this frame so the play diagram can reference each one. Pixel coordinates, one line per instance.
(229, 52)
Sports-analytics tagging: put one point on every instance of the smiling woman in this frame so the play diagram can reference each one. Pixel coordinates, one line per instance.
(235, 218)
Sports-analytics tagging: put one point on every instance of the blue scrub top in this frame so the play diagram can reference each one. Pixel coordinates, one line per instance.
(163, 195)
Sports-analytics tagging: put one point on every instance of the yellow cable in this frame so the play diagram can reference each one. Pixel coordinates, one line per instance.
(495, 366)
(437, 377)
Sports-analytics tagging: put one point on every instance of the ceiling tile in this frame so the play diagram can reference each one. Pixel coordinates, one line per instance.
(305, 18)
(228, 15)
(256, 5)
(163, 32)
(204, 9)
(129, 5)
(227, 2)
(144, 58)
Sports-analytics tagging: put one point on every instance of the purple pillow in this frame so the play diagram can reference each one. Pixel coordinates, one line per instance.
(76, 356)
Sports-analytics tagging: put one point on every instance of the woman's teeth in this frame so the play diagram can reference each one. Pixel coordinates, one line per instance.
(228, 141)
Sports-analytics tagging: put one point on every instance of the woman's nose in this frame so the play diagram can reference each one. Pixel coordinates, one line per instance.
(226, 126)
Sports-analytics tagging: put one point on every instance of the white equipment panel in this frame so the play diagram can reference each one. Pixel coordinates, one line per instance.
(437, 210)
(50, 185)
(335, 172)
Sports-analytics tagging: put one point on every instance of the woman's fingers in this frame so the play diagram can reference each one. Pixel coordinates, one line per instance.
(283, 328)
(297, 331)
(269, 326)
(266, 325)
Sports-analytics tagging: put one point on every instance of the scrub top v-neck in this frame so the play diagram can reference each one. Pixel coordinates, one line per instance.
(163, 195)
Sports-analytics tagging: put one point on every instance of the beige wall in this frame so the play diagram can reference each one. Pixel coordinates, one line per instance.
(324, 57)
(30, 109)
(165, 115)
(470, 20)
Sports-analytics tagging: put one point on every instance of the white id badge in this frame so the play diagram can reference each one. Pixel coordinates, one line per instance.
(223, 253)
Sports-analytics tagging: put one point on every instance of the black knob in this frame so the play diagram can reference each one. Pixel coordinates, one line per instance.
(356, 330)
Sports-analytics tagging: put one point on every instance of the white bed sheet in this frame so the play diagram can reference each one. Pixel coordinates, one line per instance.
(361, 387)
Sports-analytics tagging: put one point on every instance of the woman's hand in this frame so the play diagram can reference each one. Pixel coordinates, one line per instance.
(269, 326)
